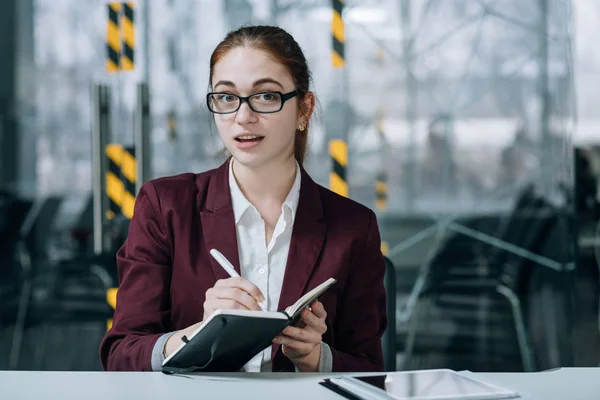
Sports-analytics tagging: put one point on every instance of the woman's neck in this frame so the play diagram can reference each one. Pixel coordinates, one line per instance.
(267, 184)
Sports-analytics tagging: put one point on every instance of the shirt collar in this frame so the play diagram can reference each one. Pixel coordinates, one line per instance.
(240, 203)
(238, 200)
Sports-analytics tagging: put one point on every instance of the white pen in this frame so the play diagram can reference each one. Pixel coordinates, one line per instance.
(224, 262)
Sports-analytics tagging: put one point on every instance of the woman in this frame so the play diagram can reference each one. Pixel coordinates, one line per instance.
(282, 232)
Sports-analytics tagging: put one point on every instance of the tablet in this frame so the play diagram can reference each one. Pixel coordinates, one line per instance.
(440, 384)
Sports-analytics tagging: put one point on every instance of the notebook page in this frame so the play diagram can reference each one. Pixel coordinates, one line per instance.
(309, 297)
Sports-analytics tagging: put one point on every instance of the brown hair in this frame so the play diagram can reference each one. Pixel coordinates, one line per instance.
(282, 47)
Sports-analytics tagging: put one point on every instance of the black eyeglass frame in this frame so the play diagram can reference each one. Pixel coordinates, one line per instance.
(283, 96)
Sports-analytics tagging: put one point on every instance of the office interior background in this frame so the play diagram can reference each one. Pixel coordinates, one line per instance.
(472, 129)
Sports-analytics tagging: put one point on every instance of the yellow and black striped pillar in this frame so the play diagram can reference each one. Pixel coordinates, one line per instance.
(120, 180)
(385, 248)
(111, 299)
(113, 38)
(120, 37)
(128, 37)
(381, 192)
(338, 57)
(338, 150)
(113, 177)
(128, 176)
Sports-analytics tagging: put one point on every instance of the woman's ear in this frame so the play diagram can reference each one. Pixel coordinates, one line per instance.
(307, 108)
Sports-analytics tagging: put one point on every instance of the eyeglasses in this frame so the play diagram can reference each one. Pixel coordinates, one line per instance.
(263, 102)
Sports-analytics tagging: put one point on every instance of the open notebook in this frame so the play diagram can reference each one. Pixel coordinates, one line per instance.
(228, 339)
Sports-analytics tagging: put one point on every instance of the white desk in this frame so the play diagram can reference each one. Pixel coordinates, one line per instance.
(565, 383)
(571, 384)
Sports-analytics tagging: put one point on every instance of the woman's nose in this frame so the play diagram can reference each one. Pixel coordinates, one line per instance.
(244, 114)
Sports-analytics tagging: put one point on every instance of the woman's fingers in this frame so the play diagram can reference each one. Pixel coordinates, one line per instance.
(242, 284)
(314, 317)
(302, 334)
(228, 298)
(233, 293)
(311, 320)
(212, 305)
(238, 295)
(294, 348)
(318, 309)
(301, 340)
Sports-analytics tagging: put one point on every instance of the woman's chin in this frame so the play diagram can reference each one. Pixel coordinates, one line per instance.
(248, 160)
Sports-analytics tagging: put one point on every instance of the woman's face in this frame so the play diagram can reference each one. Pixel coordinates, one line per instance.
(255, 139)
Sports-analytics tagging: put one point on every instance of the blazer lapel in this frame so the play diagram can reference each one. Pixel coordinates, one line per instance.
(218, 222)
(305, 246)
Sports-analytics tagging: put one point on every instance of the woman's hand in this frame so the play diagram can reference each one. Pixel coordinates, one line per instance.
(232, 293)
(302, 343)
(175, 340)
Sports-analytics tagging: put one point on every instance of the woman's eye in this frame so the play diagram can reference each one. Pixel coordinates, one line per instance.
(267, 97)
(224, 98)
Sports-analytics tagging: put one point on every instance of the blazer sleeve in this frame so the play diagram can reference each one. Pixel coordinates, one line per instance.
(142, 312)
(361, 319)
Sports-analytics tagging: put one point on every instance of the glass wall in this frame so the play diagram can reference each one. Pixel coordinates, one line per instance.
(469, 111)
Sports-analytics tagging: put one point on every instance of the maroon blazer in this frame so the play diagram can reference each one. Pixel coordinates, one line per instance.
(165, 269)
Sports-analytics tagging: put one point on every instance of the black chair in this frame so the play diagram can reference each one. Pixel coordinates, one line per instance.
(389, 338)
(62, 294)
(12, 216)
(478, 297)
(30, 252)
(73, 313)
(13, 212)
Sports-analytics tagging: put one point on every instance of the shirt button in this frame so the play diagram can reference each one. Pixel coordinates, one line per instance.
(261, 271)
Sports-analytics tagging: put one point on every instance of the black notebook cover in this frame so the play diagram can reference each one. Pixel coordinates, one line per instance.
(335, 388)
(231, 338)
(226, 343)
